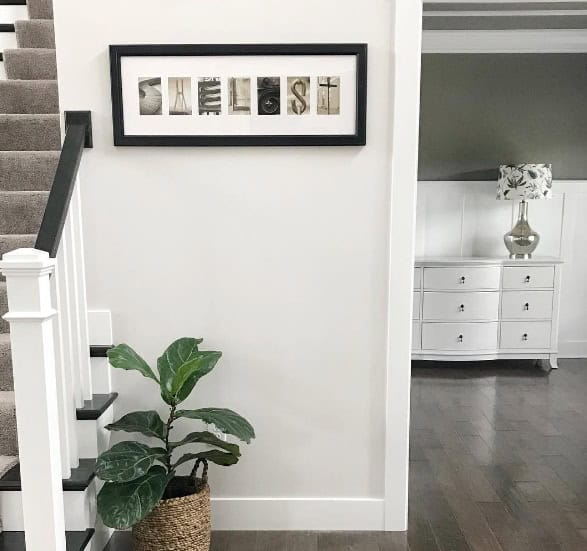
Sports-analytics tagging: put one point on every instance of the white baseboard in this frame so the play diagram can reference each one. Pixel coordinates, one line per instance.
(297, 514)
(572, 349)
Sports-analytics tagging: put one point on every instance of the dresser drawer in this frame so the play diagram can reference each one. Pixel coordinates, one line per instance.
(525, 334)
(417, 278)
(416, 306)
(528, 277)
(472, 306)
(462, 279)
(416, 336)
(459, 336)
(526, 305)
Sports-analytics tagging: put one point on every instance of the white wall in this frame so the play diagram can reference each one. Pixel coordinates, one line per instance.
(278, 257)
(465, 219)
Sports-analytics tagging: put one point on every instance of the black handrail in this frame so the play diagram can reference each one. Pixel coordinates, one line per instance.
(78, 135)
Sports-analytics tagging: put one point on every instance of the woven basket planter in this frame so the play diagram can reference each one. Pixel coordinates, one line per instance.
(179, 523)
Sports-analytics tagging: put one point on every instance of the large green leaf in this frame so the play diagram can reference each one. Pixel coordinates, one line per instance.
(191, 373)
(181, 366)
(124, 357)
(215, 456)
(123, 505)
(225, 420)
(127, 461)
(209, 439)
(146, 422)
(178, 353)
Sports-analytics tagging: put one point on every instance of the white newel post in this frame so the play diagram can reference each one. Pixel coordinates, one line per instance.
(30, 314)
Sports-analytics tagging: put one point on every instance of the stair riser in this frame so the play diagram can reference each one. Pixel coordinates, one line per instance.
(40, 9)
(8, 443)
(6, 380)
(27, 170)
(11, 242)
(30, 64)
(80, 509)
(22, 212)
(35, 34)
(101, 378)
(4, 326)
(92, 438)
(21, 96)
(30, 133)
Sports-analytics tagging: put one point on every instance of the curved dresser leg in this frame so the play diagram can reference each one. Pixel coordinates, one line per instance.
(553, 361)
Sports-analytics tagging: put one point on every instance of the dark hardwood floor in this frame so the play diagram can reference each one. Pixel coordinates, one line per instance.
(498, 463)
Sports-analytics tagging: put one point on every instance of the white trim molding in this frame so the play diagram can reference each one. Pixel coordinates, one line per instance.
(518, 41)
(332, 514)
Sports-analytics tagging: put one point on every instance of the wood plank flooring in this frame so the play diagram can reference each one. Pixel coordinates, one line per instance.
(498, 460)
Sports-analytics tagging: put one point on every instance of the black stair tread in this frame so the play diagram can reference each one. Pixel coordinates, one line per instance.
(75, 541)
(12, 2)
(94, 408)
(100, 350)
(80, 478)
(7, 28)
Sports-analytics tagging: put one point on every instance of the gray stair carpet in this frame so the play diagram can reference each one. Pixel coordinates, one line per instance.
(30, 140)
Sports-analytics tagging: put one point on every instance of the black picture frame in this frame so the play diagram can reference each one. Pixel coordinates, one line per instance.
(117, 52)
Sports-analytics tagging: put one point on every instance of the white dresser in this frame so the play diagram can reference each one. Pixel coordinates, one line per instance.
(486, 308)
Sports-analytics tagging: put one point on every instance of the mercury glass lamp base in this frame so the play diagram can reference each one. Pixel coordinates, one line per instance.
(522, 240)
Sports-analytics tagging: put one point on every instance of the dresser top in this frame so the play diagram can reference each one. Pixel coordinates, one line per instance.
(485, 261)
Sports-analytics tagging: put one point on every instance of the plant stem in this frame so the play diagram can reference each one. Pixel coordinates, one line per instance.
(167, 431)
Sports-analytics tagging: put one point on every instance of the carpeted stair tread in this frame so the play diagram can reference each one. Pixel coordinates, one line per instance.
(16, 241)
(28, 96)
(4, 327)
(6, 463)
(27, 170)
(30, 133)
(8, 439)
(30, 64)
(35, 33)
(40, 9)
(22, 211)
(6, 381)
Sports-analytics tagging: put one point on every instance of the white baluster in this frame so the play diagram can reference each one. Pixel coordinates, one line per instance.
(60, 372)
(31, 316)
(67, 365)
(70, 310)
(82, 304)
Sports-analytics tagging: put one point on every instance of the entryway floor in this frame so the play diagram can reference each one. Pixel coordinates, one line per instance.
(498, 462)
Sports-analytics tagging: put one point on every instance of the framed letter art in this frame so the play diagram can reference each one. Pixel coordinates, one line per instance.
(233, 95)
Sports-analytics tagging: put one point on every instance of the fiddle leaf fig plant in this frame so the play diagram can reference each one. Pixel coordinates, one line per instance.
(137, 475)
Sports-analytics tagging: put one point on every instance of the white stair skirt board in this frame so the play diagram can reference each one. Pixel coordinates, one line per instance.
(330, 514)
(93, 439)
(80, 509)
(101, 377)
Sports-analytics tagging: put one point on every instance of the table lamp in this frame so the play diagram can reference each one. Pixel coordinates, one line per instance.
(522, 183)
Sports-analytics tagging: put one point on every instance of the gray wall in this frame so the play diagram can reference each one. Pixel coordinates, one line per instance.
(482, 110)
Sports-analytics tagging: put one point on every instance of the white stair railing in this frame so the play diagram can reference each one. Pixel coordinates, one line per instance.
(50, 350)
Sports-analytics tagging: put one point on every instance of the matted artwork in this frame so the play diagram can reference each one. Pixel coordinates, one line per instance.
(181, 95)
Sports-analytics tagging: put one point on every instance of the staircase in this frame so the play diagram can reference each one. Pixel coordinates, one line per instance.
(39, 193)
(30, 139)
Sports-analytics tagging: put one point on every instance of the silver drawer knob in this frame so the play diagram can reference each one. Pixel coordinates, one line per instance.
(462, 308)
(525, 337)
(460, 339)
(463, 279)
(527, 306)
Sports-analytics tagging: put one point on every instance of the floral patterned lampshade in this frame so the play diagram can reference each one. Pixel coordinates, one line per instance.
(524, 182)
